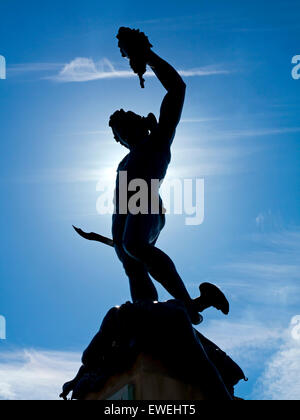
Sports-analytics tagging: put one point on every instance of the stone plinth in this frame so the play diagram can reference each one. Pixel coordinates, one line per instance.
(147, 380)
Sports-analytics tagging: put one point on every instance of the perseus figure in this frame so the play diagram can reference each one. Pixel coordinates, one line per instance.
(149, 143)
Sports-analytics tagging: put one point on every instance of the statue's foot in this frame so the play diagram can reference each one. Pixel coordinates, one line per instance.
(211, 296)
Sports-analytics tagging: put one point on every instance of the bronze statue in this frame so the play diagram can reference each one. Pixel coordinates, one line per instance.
(162, 330)
(149, 143)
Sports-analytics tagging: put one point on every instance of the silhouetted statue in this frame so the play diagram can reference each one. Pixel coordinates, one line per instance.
(149, 142)
(161, 330)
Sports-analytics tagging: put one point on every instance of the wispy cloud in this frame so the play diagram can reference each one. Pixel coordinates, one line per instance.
(201, 120)
(271, 274)
(92, 133)
(225, 134)
(204, 71)
(260, 132)
(244, 337)
(256, 345)
(86, 69)
(224, 23)
(35, 375)
(281, 377)
(33, 67)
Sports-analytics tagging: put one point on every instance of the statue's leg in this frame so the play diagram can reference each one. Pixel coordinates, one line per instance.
(141, 285)
(139, 234)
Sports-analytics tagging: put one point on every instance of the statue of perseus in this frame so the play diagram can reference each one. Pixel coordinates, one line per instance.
(149, 143)
(162, 330)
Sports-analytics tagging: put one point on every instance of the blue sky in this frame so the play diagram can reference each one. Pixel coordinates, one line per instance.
(240, 131)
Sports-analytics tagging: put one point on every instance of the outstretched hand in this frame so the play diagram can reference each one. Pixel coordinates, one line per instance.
(135, 45)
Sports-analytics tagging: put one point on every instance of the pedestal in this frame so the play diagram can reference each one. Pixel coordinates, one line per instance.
(147, 380)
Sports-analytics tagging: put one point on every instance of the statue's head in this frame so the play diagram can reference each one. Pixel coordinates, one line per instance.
(129, 128)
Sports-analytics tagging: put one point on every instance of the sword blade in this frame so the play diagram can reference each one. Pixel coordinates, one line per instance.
(94, 237)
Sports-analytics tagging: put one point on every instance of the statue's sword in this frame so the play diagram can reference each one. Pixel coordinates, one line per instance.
(94, 237)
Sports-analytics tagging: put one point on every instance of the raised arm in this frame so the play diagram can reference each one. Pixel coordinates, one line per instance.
(172, 104)
(136, 46)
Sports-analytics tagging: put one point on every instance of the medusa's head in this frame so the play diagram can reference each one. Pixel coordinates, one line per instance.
(129, 128)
